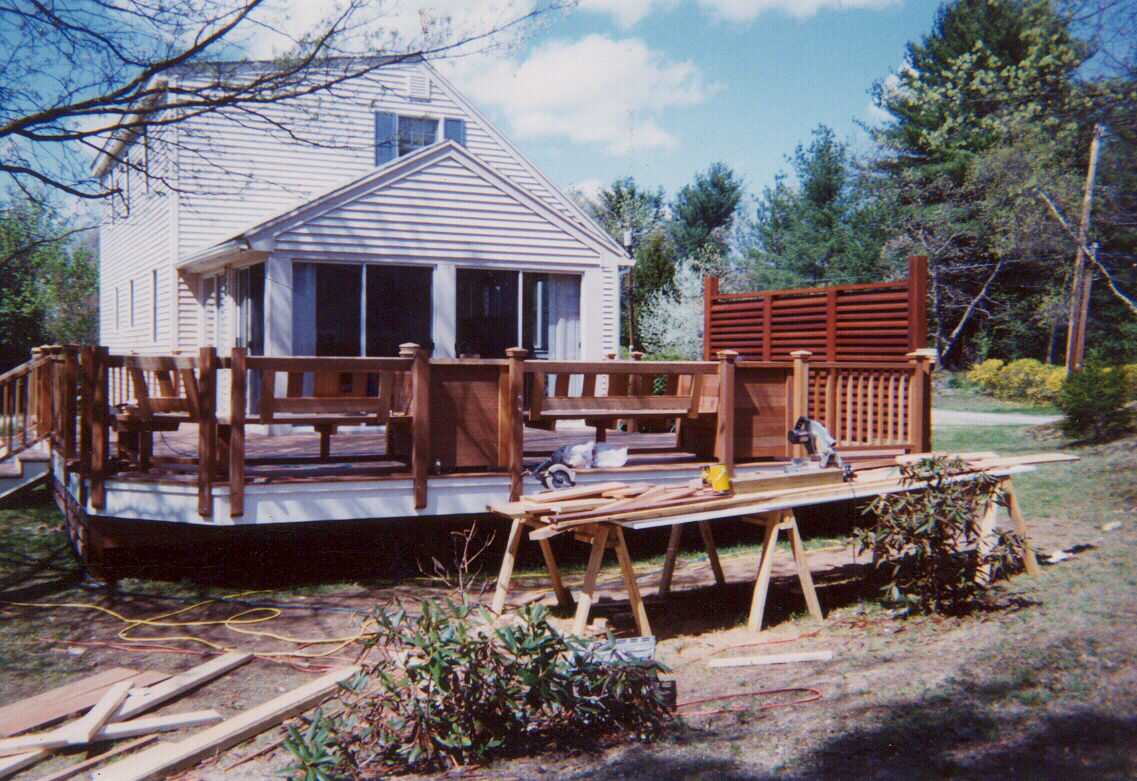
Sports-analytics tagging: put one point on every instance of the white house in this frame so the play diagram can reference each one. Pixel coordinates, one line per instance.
(397, 213)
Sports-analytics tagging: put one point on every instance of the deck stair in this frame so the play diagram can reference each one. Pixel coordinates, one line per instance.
(23, 470)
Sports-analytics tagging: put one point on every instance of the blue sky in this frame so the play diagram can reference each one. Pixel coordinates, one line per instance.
(578, 96)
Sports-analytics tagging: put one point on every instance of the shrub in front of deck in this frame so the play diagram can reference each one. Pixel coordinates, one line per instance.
(925, 542)
(449, 688)
(1093, 402)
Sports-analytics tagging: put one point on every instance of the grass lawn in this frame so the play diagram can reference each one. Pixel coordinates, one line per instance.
(955, 393)
(1043, 687)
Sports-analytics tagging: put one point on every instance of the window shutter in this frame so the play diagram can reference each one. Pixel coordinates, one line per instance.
(385, 130)
(455, 130)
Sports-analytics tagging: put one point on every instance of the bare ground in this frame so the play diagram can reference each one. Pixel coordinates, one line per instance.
(1044, 687)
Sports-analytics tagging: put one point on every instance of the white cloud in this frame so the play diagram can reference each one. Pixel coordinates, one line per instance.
(627, 13)
(748, 10)
(597, 90)
(588, 189)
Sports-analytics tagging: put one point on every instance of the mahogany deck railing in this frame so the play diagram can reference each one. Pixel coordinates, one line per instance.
(444, 415)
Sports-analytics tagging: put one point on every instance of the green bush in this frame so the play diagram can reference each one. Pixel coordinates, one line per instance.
(449, 688)
(1093, 401)
(924, 542)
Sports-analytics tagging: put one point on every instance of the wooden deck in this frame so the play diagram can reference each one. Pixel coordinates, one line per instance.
(242, 440)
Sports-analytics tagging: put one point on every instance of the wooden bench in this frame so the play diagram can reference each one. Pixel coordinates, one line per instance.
(629, 394)
(341, 393)
(165, 392)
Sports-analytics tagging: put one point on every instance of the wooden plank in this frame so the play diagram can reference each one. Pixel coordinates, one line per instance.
(1030, 561)
(206, 430)
(516, 423)
(87, 764)
(712, 551)
(60, 702)
(420, 429)
(588, 588)
(505, 574)
(639, 611)
(751, 661)
(600, 406)
(100, 432)
(329, 364)
(577, 492)
(142, 700)
(163, 759)
(673, 539)
(762, 581)
(16, 762)
(801, 561)
(537, 397)
(564, 599)
(85, 729)
(237, 403)
(64, 738)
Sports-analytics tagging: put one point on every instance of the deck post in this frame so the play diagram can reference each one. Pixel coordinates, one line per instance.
(238, 377)
(206, 429)
(71, 381)
(516, 420)
(799, 402)
(420, 419)
(710, 290)
(635, 388)
(724, 424)
(87, 378)
(920, 401)
(42, 388)
(100, 431)
(917, 302)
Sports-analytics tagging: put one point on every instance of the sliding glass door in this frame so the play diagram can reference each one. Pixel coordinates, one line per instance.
(502, 309)
(357, 309)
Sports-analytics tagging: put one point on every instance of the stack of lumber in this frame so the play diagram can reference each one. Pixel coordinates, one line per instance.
(557, 512)
(111, 700)
(110, 703)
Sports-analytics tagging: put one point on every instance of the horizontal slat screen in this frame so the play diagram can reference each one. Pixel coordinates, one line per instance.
(874, 322)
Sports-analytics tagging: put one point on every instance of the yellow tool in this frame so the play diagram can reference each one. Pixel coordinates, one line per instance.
(717, 477)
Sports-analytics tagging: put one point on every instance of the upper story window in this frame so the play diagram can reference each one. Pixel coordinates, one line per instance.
(415, 133)
(397, 134)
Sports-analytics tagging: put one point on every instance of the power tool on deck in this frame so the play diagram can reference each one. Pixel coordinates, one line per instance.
(818, 442)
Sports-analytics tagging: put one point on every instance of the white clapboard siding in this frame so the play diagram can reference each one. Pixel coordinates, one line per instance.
(383, 223)
(245, 170)
(134, 241)
(610, 309)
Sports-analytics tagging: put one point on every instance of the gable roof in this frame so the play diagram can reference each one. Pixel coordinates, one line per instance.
(585, 218)
(260, 235)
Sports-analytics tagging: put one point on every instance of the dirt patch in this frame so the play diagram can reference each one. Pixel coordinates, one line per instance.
(1044, 687)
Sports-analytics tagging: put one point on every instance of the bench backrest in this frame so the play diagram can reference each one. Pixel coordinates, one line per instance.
(372, 389)
(162, 384)
(633, 388)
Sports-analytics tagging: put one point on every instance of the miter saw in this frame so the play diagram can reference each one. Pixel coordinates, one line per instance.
(818, 442)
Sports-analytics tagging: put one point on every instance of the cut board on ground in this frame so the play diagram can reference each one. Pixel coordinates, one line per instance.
(752, 661)
(63, 701)
(166, 758)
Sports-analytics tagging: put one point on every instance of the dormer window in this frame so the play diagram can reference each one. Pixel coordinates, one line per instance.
(397, 135)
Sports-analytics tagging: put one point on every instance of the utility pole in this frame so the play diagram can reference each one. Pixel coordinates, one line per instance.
(1083, 277)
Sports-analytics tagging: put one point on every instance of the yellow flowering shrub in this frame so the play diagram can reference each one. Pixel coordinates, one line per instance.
(984, 374)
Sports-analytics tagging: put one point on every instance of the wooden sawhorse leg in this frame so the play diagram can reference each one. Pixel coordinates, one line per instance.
(774, 523)
(516, 529)
(987, 533)
(600, 541)
(505, 575)
(1029, 559)
(588, 588)
(673, 552)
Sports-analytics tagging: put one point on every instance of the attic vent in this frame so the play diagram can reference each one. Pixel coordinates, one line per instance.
(418, 86)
